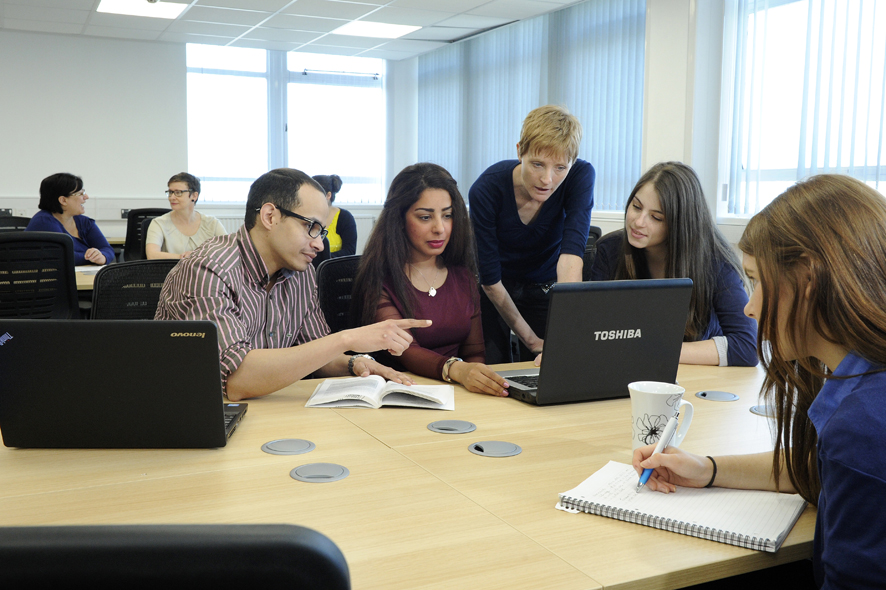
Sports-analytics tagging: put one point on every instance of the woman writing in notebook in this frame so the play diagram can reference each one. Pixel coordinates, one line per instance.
(669, 233)
(419, 262)
(817, 256)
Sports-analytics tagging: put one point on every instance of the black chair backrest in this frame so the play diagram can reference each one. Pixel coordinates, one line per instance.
(146, 223)
(134, 247)
(335, 280)
(129, 290)
(174, 556)
(14, 223)
(37, 277)
(590, 252)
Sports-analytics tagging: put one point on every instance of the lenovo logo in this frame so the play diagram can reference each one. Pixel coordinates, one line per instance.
(617, 334)
(188, 334)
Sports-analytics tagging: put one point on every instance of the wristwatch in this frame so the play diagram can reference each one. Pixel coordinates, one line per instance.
(446, 367)
(353, 359)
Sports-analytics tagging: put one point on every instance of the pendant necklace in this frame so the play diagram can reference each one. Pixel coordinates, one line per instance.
(432, 291)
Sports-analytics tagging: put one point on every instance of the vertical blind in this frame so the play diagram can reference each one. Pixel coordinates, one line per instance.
(804, 84)
(473, 95)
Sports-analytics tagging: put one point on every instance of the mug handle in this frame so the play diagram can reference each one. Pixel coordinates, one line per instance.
(686, 410)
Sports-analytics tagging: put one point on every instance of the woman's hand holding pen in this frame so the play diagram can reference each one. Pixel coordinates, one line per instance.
(673, 468)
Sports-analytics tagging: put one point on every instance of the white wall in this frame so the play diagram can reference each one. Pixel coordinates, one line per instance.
(113, 112)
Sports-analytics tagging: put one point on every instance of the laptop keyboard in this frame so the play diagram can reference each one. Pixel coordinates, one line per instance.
(525, 380)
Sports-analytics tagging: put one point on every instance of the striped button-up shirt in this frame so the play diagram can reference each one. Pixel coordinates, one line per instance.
(224, 280)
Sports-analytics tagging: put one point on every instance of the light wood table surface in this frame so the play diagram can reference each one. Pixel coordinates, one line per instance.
(85, 281)
(418, 509)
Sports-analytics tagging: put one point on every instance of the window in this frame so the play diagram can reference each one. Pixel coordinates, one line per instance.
(251, 110)
(474, 95)
(803, 95)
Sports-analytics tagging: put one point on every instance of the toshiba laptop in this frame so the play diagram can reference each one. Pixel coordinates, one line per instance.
(603, 335)
(112, 384)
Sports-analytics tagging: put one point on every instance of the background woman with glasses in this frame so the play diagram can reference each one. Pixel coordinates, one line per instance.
(181, 230)
(62, 210)
(419, 262)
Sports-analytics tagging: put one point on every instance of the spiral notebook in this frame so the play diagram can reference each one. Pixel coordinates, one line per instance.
(747, 518)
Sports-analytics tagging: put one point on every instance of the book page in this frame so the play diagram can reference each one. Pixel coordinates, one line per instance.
(752, 513)
(357, 392)
(440, 397)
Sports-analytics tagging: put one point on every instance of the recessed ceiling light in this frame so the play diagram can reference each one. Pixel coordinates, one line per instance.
(168, 10)
(361, 28)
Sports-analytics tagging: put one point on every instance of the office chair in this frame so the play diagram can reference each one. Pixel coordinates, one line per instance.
(158, 556)
(590, 252)
(37, 277)
(14, 223)
(133, 248)
(335, 279)
(129, 290)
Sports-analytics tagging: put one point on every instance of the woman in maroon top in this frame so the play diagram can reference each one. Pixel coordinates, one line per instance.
(419, 262)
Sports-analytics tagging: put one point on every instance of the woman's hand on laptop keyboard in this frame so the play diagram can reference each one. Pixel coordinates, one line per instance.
(479, 378)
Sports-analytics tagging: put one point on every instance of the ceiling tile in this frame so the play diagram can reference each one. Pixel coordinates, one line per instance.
(259, 44)
(349, 41)
(69, 4)
(214, 29)
(118, 33)
(408, 16)
(173, 37)
(281, 35)
(513, 9)
(304, 23)
(448, 5)
(45, 14)
(263, 5)
(471, 21)
(330, 49)
(121, 21)
(329, 9)
(41, 26)
(439, 34)
(225, 15)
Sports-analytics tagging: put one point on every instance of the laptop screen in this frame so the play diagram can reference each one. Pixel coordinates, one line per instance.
(110, 384)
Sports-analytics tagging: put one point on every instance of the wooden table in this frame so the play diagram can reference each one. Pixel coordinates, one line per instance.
(85, 281)
(418, 509)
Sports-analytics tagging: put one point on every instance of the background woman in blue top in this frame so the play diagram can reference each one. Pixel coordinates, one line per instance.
(531, 218)
(817, 255)
(669, 233)
(61, 211)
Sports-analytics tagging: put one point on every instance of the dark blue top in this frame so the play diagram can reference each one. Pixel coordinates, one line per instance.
(849, 416)
(90, 235)
(727, 308)
(508, 248)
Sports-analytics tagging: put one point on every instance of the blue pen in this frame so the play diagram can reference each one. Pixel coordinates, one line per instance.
(666, 436)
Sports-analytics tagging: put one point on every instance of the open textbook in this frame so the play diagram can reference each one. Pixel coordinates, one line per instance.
(375, 392)
(748, 518)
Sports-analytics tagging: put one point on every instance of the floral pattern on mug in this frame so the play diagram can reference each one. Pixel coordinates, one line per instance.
(651, 427)
(674, 400)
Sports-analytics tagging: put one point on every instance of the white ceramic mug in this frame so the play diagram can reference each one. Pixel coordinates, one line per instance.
(652, 405)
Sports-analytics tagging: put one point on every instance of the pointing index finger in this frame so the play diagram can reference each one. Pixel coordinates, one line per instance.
(410, 323)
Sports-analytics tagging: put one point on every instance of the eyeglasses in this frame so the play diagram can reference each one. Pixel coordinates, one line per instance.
(315, 228)
(79, 193)
(169, 193)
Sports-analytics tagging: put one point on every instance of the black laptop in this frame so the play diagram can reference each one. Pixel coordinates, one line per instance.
(603, 335)
(112, 384)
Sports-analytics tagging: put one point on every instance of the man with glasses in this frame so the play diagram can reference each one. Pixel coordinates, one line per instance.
(259, 288)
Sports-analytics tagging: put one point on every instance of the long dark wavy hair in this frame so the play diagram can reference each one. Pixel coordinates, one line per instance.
(695, 246)
(824, 236)
(387, 249)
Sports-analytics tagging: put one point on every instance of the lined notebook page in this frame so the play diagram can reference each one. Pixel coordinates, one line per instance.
(749, 518)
